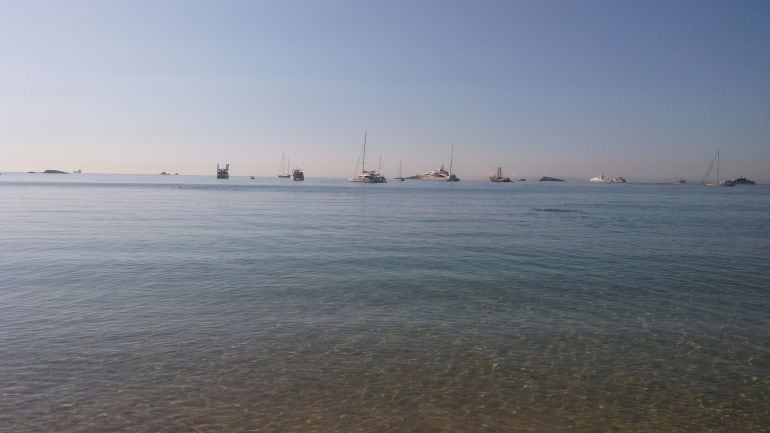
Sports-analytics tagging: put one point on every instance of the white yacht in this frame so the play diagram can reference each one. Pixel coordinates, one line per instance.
(366, 176)
(441, 174)
(607, 179)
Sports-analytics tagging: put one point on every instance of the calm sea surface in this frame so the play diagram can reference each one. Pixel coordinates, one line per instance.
(182, 303)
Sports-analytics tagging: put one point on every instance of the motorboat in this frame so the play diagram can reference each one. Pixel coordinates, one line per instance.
(607, 179)
(441, 174)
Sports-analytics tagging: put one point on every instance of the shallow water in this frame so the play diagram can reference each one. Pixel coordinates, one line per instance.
(182, 303)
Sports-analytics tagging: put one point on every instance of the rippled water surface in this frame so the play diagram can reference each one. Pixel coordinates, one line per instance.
(177, 304)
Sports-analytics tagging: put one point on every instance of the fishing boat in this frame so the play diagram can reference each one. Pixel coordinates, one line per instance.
(366, 176)
(283, 172)
(297, 175)
(498, 177)
(441, 174)
(708, 180)
(607, 179)
(223, 173)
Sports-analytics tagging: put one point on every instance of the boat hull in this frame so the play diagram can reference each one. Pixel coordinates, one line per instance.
(367, 180)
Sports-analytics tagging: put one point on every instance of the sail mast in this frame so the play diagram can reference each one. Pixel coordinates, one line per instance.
(717, 167)
(451, 159)
(363, 159)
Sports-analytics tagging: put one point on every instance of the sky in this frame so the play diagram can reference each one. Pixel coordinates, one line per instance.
(648, 90)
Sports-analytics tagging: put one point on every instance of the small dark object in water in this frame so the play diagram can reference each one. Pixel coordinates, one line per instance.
(54, 172)
(550, 179)
(522, 180)
(550, 209)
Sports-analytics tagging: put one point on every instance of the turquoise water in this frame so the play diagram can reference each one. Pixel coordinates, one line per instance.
(148, 303)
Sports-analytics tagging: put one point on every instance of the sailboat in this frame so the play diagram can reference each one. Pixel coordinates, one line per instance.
(284, 170)
(714, 167)
(370, 176)
(400, 178)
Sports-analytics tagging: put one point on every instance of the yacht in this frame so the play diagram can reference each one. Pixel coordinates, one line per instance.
(366, 176)
(607, 179)
(441, 174)
(498, 177)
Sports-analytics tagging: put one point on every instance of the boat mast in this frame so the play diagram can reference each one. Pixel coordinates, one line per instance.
(451, 159)
(707, 176)
(717, 167)
(363, 158)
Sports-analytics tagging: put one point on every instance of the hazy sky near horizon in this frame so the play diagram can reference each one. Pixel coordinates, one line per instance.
(643, 89)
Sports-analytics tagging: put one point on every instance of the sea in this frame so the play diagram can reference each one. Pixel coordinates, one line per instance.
(146, 303)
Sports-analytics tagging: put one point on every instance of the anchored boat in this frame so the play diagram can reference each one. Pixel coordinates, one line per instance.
(297, 175)
(223, 173)
(714, 168)
(441, 174)
(607, 179)
(283, 172)
(366, 176)
(498, 177)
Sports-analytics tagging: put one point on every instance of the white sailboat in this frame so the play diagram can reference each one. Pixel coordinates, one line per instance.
(284, 170)
(714, 181)
(366, 176)
(400, 177)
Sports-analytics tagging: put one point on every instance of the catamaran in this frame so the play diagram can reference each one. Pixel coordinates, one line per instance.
(714, 167)
(366, 176)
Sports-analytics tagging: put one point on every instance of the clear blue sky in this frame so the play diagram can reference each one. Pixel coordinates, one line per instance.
(643, 89)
